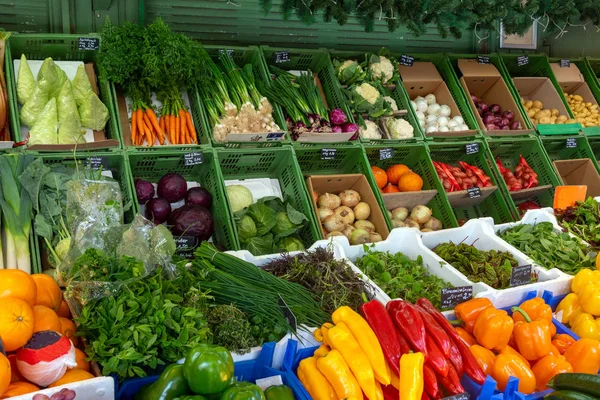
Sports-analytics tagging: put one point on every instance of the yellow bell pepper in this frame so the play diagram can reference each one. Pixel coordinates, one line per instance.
(322, 350)
(598, 262)
(337, 372)
(314, 381)
(582, 278)
(568, 308)
(318, 335)
(589, 298)
(585, 326)
(367, 340)
(411, 376)
(324, 331)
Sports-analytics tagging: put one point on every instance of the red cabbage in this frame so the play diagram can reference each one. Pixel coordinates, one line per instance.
(200, 196)
(337, 116)
(172, 187)
(144, 190)
(192, 220)
(158, 210)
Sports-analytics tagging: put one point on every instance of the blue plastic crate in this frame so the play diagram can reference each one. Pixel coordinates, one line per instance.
(248, 371)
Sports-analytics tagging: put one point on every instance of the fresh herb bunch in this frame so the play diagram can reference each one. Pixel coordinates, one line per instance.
(332, 280)
(548, 248)
(400, 277)
(582, 220)
(96, 265)
(491, 267)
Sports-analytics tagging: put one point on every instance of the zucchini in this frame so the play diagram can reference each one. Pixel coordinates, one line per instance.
(583, 383)
(569, 395)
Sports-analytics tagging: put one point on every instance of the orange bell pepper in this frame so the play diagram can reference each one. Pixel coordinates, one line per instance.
(547, 367)
(485, 358)
(553, 350)
(532, 337)
(466, 336)
(584, 356)
(469, 311)
(562, 342)
(510, 350)
(508, 365)
(493, 328)
(537, 309)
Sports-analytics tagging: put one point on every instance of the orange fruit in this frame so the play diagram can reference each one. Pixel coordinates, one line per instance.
(69, 329)
(395, 172)
(15, 375)
(390, 189)
(72, 375)
(44, 319)
(16, 323)
(18, 284)
(4, 373)
(64, 311)
(18, 388)
(48, 291)
(380, 176)
(410, 182)
(80, 357)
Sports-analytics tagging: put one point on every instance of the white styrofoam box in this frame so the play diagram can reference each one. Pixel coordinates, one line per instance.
(259, 187)
(481, 235)
(408, 242)
(101, 388)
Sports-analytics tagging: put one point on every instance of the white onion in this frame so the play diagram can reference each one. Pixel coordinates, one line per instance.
(421, 105)
(414, 105)
(430, 99)
(433, 109)
(444, 129)
(430, 119)
(452, 124)
(422, 123)
(459, 120)
(464, 127)
(420, 115)
(431, 128)
(445, 110)
(457, 128)
(442, 121)
(419, 98)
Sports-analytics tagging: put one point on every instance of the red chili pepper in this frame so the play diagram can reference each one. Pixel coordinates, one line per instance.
(409, 324)
(470, 365)
(435, 357)
(430, 382)
(456, 359)
(451, 382)
(424, 396)
(437, 333)
(390, 392)
(383, 326)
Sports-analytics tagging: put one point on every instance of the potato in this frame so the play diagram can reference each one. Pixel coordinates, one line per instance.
(545, 120)
(553, 119)
(538, 104)
(571, 121)
(562, 118)
(528, 104)
(554, 112)
(578, 98)
(531, 113)
(588, 104)
(539, 114)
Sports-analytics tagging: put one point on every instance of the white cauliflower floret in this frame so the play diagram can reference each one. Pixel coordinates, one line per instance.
(384, 69)
(392, 102)
(399, 128)
(371, 131)
(368, 92)
(346, 64)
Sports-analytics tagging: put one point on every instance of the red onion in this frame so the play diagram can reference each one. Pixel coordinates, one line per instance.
(505, 128)
(498, 120)
(483, 105)
(505, 122)
(495, 108)
(491, 127)
(509, 115)
(515, 125)
(488, 118)
(336, 129)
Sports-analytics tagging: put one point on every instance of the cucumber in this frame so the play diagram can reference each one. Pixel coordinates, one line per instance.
(583, 383)
(569, 395)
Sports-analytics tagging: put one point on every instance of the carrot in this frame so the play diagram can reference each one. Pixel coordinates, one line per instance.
(133, 128)
(173, 133)
(161, 123)
(185, 133)
(190, 126)
(153, 121)
(182, 128)
(177, 130)
(150, 129)
(141, 126)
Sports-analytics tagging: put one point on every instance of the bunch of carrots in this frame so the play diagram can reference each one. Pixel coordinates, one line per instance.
(175, 126)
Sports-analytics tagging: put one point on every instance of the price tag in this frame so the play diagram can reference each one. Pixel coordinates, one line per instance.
(406, 60)
(571, 143)
(287, 313)
(522, 60)
(385, 154)
(190, 159)
(95, 162)
(520, 275)
(229, 51)
(328, 154)
(460, 396)
(281, 56)
(452, 297)
(185, 245)
(474, 192)
(564, 63)
(483, 60)
(88, 44)
(472, 148)
(274, 136)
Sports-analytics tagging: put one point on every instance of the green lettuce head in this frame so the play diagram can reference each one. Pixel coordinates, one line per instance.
(290, 243)
(246, 229)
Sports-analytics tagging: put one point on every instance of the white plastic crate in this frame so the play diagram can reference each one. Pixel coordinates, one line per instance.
(481, 235)
(101, 388)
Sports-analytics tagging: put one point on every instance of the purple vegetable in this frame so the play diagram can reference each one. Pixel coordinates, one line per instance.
(491, 127)
(475, 99)
(349, 127)
(192, 220)
(200, 196)
(509, 115)
(488, 118)
(144, 190)
(498, 120)
(158, 210)
(172, 187)
(312, 118)
(337, 116)
(336, 129)
(300, 125)
(495, 108)
(515, 125)
(505, 122)
(505, 128)
(484, 107)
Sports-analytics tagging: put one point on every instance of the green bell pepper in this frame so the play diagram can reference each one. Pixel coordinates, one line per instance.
(169, 385)
(208, 369)
(280, 392)
(243, 391)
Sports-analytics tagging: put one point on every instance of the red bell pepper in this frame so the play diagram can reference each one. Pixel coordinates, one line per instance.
(451, 382)
(425, 396)
(437, 333)
(409, 324)
(456, 359)
(435, 358)
(430, 382)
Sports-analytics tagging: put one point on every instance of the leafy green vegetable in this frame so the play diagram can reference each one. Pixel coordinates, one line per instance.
(92, 111)
(25, 81)
(48, 77)
(264, 217)
(259, 245)
(582, 220)
(349, 71)
(36, 103)
(81, 86)
(401, 277)
(44, 129)
(548, 248)
(290, 244)
(246, 229)
(69, 123)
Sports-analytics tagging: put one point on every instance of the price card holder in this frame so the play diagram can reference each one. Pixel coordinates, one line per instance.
(281, 56)
(474, 192)
(275, 136)
(565, 63)
(483, 60)
(571, 143)
(328, 154)
(460, 396)
(96, 162)
(522, 60)
(287, 313)
(406, 60)
(229, 51)
(520, 276)
(88, 44)
(385, 154)
(185, 245)
(190, 159)
(452, 297)
(472, 148)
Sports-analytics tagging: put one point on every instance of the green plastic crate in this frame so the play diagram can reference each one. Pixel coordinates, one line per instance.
(319, 62)
(594, 142)
(275, 163)
(61, 48)
(494, 205)
(152, 166)
(556, 148)
(397, 93)
(509, 151)
(242, 56)
(348, 159)
(416, 157)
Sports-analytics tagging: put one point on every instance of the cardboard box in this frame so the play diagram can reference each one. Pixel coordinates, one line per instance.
(542, 89)
(335, 184)
(422, 79)
(485, 82)
(572, 82)
(579, 172)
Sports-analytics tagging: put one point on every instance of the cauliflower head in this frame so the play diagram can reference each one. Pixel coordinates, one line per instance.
(392, 103)
(370, 131)
(381, 68)
(399, 128)
(349, 71)
(368, 92)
